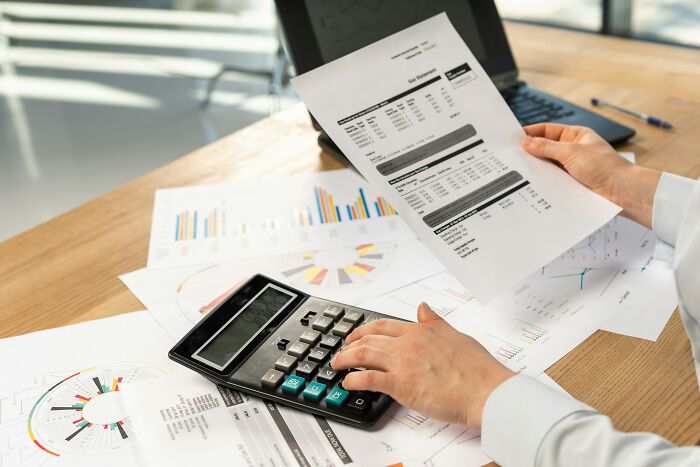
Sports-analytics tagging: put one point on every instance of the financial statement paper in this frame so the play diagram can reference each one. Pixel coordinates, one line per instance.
(421, 120)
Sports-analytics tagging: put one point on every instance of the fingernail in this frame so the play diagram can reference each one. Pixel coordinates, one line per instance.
(527, 140)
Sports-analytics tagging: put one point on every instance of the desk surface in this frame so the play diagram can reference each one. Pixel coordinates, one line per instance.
(65, 270)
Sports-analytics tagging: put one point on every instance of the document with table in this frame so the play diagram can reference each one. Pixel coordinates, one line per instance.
(424, 124)
(510, 250)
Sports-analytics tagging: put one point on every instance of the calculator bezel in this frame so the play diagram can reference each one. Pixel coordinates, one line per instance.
(184, 350)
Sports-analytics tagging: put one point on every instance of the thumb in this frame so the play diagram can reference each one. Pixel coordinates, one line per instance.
(427, 315)
(546, 148)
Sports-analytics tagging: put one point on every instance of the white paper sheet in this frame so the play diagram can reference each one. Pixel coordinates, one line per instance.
(645, 313)
(52, 411)
(549, 313)
(424, 124)
(179, 297)
(248, 219)
(238, 430)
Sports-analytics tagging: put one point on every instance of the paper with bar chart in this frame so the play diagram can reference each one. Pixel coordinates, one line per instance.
(179, 297)
(61, 404)
(201, 224)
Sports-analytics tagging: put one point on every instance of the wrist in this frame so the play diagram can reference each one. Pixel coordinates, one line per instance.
(633, 190)
(497, 376)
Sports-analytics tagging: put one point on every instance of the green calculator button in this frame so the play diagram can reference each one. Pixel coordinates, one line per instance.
(293, 384)
(314, 391)
(336, 397)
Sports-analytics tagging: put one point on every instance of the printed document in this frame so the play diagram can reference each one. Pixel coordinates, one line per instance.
(421, 120)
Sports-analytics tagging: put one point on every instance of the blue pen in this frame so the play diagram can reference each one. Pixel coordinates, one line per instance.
(642, 116)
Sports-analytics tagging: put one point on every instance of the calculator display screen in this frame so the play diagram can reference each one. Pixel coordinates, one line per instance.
(233, 336)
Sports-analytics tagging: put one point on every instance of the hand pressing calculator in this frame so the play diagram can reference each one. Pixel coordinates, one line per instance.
(275, 342)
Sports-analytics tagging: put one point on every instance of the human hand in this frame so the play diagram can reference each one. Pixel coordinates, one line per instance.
(428, 366)
(592, 161)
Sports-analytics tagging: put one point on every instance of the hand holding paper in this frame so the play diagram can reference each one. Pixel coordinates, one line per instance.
(424, 124)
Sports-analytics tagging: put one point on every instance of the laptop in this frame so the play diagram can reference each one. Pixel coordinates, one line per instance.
(319, 31)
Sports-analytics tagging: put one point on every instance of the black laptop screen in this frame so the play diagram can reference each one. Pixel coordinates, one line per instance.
(319, 31)
(342, 27)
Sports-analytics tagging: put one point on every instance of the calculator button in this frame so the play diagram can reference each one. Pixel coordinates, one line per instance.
(293, 384)
(326, 375)
(322, 323)
(353, 316)
(272, 379)
(371, 318)
(306, 369)
(282, 344)
(359, 401)
(343, 328)
(314, 391)
(298, 349)
(334, 312)
(318, 354)
(336, 397)
(310, 336)
(285, 363)
(330, 342)
(305, 319)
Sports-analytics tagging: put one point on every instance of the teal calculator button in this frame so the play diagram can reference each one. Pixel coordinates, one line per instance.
(336, 397)
(293, 384)
(314, 390)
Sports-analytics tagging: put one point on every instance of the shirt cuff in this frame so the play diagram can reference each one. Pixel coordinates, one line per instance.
(670, 202)
(518, 415)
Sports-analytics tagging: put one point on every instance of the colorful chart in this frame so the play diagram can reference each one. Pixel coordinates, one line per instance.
(80, 416)
(506, 350)
(186, 226)
(211, 223)
(329, 212)
(531, 333)
(337, 267)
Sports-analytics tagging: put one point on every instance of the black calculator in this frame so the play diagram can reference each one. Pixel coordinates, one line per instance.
(275, 342)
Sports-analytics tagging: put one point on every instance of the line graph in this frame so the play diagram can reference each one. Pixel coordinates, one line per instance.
(580, 276)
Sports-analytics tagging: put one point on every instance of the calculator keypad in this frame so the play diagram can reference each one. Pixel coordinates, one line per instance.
(310, 337)
(293, 384)
(343, 328)
(330, 342)
(298, 349)
(326, 375)
(354, 316)
(319, 354)
(335, 312)
(322, 323)
(304, 371)
(285, 363)
(272, 379)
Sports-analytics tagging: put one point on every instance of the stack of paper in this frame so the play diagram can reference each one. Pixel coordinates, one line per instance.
(495, 259)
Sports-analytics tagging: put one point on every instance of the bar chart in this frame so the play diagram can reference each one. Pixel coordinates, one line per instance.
(201, 224)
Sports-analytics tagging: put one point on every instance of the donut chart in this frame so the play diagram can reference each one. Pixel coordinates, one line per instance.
(338, 267)
(80, 416)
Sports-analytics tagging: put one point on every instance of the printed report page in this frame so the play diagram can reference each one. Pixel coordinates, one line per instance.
(421, 120)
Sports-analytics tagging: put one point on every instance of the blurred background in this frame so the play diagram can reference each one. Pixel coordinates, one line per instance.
(94, 94)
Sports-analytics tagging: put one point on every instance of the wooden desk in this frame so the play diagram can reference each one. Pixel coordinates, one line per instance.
(65, 271)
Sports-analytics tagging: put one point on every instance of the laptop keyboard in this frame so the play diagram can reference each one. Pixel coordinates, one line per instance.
(530, 108)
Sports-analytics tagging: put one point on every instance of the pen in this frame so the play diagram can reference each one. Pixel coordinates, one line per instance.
(642, 116)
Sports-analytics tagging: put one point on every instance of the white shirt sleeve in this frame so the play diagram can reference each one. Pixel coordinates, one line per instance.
(525, 423)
